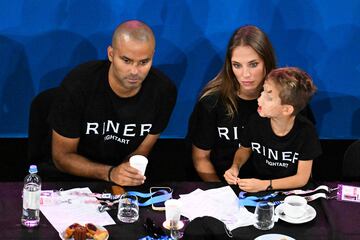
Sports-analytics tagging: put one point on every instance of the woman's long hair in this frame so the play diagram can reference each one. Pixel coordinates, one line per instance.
(225, 83)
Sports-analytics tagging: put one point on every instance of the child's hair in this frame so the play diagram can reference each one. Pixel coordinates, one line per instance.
(296, 86)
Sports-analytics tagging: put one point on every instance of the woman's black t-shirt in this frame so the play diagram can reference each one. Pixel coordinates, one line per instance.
(210, 128)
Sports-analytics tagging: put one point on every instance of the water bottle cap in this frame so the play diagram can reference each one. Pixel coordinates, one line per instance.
(33, 169)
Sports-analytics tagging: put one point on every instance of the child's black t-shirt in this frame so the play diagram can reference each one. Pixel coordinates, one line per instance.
(277, 157)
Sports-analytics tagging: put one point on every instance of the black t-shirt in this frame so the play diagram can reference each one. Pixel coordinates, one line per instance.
(110, 127)
(277, 157)
(211, 129)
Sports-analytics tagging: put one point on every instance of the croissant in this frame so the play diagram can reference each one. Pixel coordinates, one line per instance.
(70, 230)
(91, 229)
(77, 231)
(80, 233)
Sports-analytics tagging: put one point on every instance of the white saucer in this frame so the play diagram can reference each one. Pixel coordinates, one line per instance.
(273, 236)
(180, 225)
(308, 216)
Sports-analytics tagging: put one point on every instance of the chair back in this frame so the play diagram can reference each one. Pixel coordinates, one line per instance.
(351, 162)
(39, 134)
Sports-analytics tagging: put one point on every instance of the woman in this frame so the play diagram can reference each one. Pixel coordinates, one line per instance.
(228, 100)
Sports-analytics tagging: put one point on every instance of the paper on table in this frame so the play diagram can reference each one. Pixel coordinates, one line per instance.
(80, 209)
(221, 203)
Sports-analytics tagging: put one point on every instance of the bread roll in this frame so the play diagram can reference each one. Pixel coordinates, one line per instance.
(100, 234)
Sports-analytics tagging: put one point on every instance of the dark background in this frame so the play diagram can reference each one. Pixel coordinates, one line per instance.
(170, 161)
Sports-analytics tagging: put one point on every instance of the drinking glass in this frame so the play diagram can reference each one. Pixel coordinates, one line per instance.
(128, 211)
(264, 213)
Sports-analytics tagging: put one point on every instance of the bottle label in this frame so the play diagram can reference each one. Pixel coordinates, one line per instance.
(31, 200)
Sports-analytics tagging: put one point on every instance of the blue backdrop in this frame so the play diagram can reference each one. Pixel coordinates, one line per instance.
(40, 41)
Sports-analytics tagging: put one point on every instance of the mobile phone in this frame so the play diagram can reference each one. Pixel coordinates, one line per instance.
(161, 205)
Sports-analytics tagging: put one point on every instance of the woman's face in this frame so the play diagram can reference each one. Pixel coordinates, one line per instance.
(249, 70)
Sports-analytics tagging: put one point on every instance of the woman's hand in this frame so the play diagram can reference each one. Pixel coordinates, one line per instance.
(231, 175)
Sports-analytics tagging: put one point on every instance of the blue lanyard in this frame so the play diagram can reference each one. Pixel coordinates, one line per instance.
(164, 195)
(251, 201)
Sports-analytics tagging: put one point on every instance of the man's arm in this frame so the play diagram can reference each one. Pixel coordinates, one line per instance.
(203, 165)
(146, 146)
(67, 159)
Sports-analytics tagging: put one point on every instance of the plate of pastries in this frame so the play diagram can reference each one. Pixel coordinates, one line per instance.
(88, 231)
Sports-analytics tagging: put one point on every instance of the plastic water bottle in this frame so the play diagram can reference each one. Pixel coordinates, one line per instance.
(31, 199)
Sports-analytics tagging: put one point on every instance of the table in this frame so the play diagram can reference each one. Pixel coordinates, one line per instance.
(335, 219)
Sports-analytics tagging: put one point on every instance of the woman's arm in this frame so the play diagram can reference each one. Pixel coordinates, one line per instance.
(203, 165)
(240, 158)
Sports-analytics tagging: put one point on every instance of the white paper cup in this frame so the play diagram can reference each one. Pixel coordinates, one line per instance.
(173, 210)
(295, 206)
(139, 162)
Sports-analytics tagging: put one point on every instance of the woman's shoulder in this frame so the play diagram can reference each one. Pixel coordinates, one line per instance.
(210, 98)
(210, 101)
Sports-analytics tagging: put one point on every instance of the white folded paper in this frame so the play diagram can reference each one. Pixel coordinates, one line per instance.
(74, 206)
(221, 203)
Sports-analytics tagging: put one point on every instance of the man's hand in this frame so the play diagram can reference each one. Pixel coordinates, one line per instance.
(125, 175)
(252, 184)
(231, 175)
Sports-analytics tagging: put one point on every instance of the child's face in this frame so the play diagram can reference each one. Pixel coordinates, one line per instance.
(269, 102)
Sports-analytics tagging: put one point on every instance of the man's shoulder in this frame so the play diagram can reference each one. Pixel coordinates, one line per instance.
(90, 67)
(86, 72)
(160, 79)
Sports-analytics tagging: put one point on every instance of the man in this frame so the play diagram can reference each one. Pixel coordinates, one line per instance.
(110, 110)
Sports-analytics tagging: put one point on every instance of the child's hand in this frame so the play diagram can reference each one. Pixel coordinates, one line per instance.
(231, 175)
(250, 184)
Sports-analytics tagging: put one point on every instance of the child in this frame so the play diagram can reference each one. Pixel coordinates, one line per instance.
(283, 144)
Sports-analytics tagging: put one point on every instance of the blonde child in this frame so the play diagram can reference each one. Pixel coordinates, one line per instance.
(282, 143)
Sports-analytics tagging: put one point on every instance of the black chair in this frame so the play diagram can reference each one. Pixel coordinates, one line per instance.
(39, 137)
(351, 162)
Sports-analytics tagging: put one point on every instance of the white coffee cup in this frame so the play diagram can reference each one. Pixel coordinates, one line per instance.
(173, 211)
(295, 206)
(139, 162)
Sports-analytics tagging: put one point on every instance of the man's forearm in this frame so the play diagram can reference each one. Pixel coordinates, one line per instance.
(78, 165)
(146, 146)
